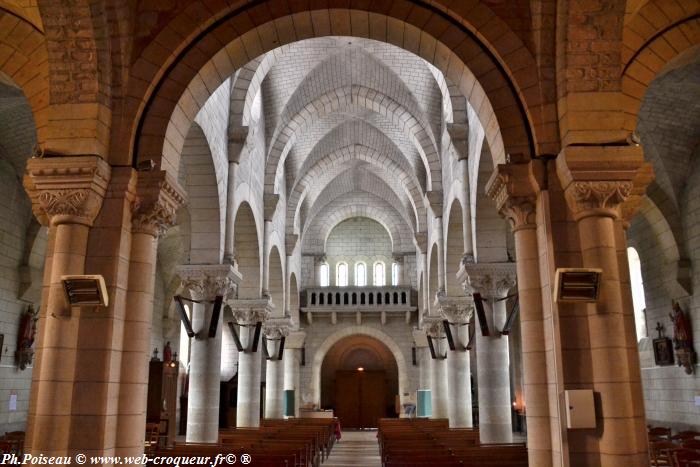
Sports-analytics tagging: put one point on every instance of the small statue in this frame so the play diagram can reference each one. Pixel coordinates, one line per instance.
(683, 339)
(167, 353)
(25, 338)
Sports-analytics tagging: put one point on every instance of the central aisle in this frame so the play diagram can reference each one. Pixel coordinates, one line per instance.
(355, 448)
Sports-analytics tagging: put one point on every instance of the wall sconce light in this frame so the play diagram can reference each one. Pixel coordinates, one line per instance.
(577, 285)
(85, 290)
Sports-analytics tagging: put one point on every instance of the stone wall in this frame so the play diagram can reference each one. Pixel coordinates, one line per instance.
(668, 392)
(15, 215)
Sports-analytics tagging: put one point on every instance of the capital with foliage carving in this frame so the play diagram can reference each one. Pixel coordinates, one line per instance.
(247, 312)
(514, 187)
(158, 197)
(206, 282)
(598, 180)
(491, 280)
(276, 328)
(456, 310)
(66, 190)
(433, 326)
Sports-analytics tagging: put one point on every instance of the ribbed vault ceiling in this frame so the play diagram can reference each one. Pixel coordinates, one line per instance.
(352, 126)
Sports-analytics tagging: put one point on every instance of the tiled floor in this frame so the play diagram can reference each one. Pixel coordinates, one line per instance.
(355, 448)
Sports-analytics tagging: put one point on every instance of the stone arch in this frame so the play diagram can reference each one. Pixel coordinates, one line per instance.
(361, 98)
(331, 340)
(508, 106)
(647, 50)
(319, 228)
(345, 155)
(247, 252)
(26, 66)
(276, 278)
(454, 248)
(204, 204)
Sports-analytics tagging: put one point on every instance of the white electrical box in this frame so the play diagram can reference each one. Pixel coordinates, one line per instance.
(580, 409)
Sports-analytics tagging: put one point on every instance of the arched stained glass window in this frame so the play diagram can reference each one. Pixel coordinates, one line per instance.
(341, 278)
(638, 299)
(325, 275)
(360, 274)
(395, 274)
(379, 278)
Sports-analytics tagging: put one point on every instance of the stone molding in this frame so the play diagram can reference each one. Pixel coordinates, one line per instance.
(290, 242)
(456, 310)
(207, 281)
(492, 280)
(514, 187)
(599, 180)
(422, 241)
(158, 197)
(247, 312)
(275, 328)
(433, 326)
(270, 201)
(67, 190)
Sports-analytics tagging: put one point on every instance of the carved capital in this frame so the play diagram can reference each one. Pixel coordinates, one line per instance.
(597, 180)
(275, 328)
(491, 280)
(250, 311)
(597, 197)
(67, 190)
(455, 309)
(158, 197)
(433, 326)
(514, 187)
(206, 282)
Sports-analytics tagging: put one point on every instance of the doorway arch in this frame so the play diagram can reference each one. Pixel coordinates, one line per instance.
(359, 380)
(331, 340)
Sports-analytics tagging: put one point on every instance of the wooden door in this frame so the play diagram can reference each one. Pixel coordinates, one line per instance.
(360, 398)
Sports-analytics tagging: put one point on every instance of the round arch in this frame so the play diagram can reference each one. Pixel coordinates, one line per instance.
(331, 340)
(247, 251)
(468, 56)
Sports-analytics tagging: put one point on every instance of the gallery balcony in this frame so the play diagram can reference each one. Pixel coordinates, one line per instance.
(372, 301)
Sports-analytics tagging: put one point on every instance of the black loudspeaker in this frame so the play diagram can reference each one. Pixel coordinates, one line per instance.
(413, 356)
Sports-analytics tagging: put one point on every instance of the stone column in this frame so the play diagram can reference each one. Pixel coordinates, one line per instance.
(236, 142)
(458, 312)
(493, 281)
(274, 330)
(66, 193)
(270, 205)
(292, 366)
(205, 283)
(514, 188)
(594, 198)
(438, 367)
(246, 314)
(154, 210)
(442, 272)
(229, 252)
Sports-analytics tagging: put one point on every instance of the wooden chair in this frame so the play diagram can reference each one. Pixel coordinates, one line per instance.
(691, 444)
(659, 432)
(686, 458)
(661, 453)
(686, 435)
(152, 435)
